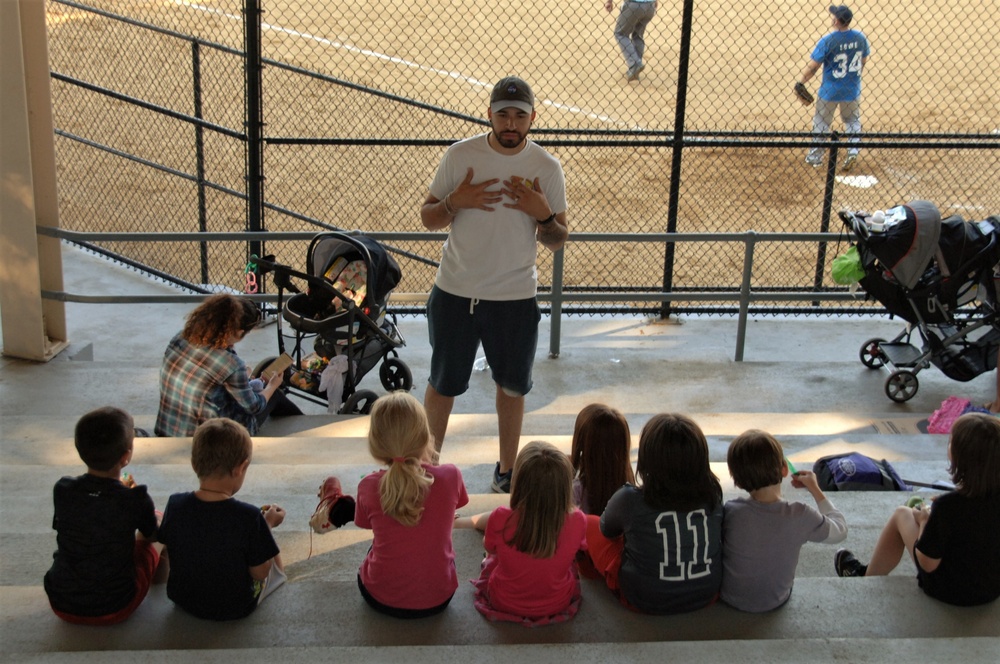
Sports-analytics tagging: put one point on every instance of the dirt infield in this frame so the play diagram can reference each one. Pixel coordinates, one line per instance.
(928, 73)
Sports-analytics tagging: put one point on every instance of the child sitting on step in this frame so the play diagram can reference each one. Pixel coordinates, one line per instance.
(601, 455)
(409, 571)
(529, 574)
(953, 541)
(659, 545)
(102, 568)
(223, 558)
(763, 533)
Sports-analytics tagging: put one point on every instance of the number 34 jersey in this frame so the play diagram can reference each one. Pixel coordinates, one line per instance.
(672, 560)
(843, 54)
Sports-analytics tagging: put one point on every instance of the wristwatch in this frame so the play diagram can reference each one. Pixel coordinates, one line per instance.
(547, 220)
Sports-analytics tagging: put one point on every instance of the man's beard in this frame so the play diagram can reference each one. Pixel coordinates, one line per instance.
(506, 139)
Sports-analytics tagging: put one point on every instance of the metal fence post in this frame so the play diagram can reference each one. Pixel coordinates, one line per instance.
(741, 326)
(678, 151)
(199, 152)
(254, 123)
(555, 313)
(824, 223)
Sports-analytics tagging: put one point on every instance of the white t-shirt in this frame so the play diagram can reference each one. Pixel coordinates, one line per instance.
(491, 255)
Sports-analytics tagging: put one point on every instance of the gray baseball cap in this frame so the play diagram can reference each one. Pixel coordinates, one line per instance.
(512, 91)
(842, 13)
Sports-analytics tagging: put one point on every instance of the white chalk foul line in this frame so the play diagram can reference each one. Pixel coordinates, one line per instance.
(399, 61)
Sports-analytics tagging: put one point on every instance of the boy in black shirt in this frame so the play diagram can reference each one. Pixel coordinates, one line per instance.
(102, 569)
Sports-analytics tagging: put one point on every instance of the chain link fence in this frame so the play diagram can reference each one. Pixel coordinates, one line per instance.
(359, 101)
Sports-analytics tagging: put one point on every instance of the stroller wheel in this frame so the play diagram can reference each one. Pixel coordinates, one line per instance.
(901, 386)
(395, 375)
(359, 403)
(871, 354)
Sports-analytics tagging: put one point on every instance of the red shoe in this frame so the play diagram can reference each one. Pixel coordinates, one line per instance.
(334, 508)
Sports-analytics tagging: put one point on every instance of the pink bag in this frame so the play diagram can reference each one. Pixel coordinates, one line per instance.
(941, 419)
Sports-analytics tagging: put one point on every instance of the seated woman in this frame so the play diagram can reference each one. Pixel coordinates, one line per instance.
(202, 376)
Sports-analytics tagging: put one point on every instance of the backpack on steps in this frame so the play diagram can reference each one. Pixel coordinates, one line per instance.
(857, 472)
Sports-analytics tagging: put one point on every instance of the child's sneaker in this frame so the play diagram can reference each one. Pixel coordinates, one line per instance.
(847, 565)
(334, 508)
(501, 481)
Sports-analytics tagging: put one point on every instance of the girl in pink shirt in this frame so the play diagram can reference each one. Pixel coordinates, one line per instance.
(529, 574)
(409, 571)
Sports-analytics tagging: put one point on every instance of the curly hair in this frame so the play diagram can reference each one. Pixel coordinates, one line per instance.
(216, 320)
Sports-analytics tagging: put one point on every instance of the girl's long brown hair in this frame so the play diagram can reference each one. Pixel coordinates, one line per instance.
(601, 454)
(541, 493)
(975, 455)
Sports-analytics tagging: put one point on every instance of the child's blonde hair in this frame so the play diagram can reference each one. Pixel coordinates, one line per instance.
(541, 492)
(601, 454)
(399, 436)
(975, 455)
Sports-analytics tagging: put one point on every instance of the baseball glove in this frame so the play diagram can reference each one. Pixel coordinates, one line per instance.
(803, 93)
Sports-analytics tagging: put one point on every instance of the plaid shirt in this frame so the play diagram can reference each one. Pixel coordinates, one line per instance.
(198, 383)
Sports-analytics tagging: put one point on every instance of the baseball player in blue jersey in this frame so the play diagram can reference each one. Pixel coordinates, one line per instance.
(842, 53)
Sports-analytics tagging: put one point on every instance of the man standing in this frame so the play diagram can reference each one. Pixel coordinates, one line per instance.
(842, 54)
(630, 30)
(501, 194)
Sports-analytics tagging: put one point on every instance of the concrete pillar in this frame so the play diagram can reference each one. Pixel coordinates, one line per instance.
(33, 328)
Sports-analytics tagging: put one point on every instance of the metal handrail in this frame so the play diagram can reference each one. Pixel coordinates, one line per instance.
(556, 297)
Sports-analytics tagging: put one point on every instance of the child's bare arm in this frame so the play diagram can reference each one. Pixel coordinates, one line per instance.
(477, 521)
(921, 514)
(260, 572)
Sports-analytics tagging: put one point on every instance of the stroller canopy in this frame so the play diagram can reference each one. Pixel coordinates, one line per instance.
(383, 270)
(907, 246)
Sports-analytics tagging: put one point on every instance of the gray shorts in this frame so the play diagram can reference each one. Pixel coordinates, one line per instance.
(507, 329)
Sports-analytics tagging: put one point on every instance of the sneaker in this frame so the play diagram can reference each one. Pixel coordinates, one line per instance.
(815, 162)
(334, 508)
(634, 70)
(847, 565)
(501, 481)
(849, 162)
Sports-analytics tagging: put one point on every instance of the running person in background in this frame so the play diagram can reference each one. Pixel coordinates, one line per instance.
(842, 53)
(630, 30)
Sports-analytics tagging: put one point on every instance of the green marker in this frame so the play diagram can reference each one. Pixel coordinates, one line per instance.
(791, 467)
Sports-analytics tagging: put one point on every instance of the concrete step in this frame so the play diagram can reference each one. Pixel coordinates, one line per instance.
(788, 651)
(329, 612)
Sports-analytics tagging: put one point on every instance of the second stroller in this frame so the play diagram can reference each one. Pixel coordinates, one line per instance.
(938, 276)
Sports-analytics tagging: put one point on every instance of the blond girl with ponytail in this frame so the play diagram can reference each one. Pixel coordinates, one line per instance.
(410, 505)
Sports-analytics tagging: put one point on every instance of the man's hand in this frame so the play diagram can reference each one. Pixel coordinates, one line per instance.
(527, 197)
(468, 195)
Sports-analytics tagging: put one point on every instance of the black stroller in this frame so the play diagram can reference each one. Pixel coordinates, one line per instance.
(939, 277)
(349, 278)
